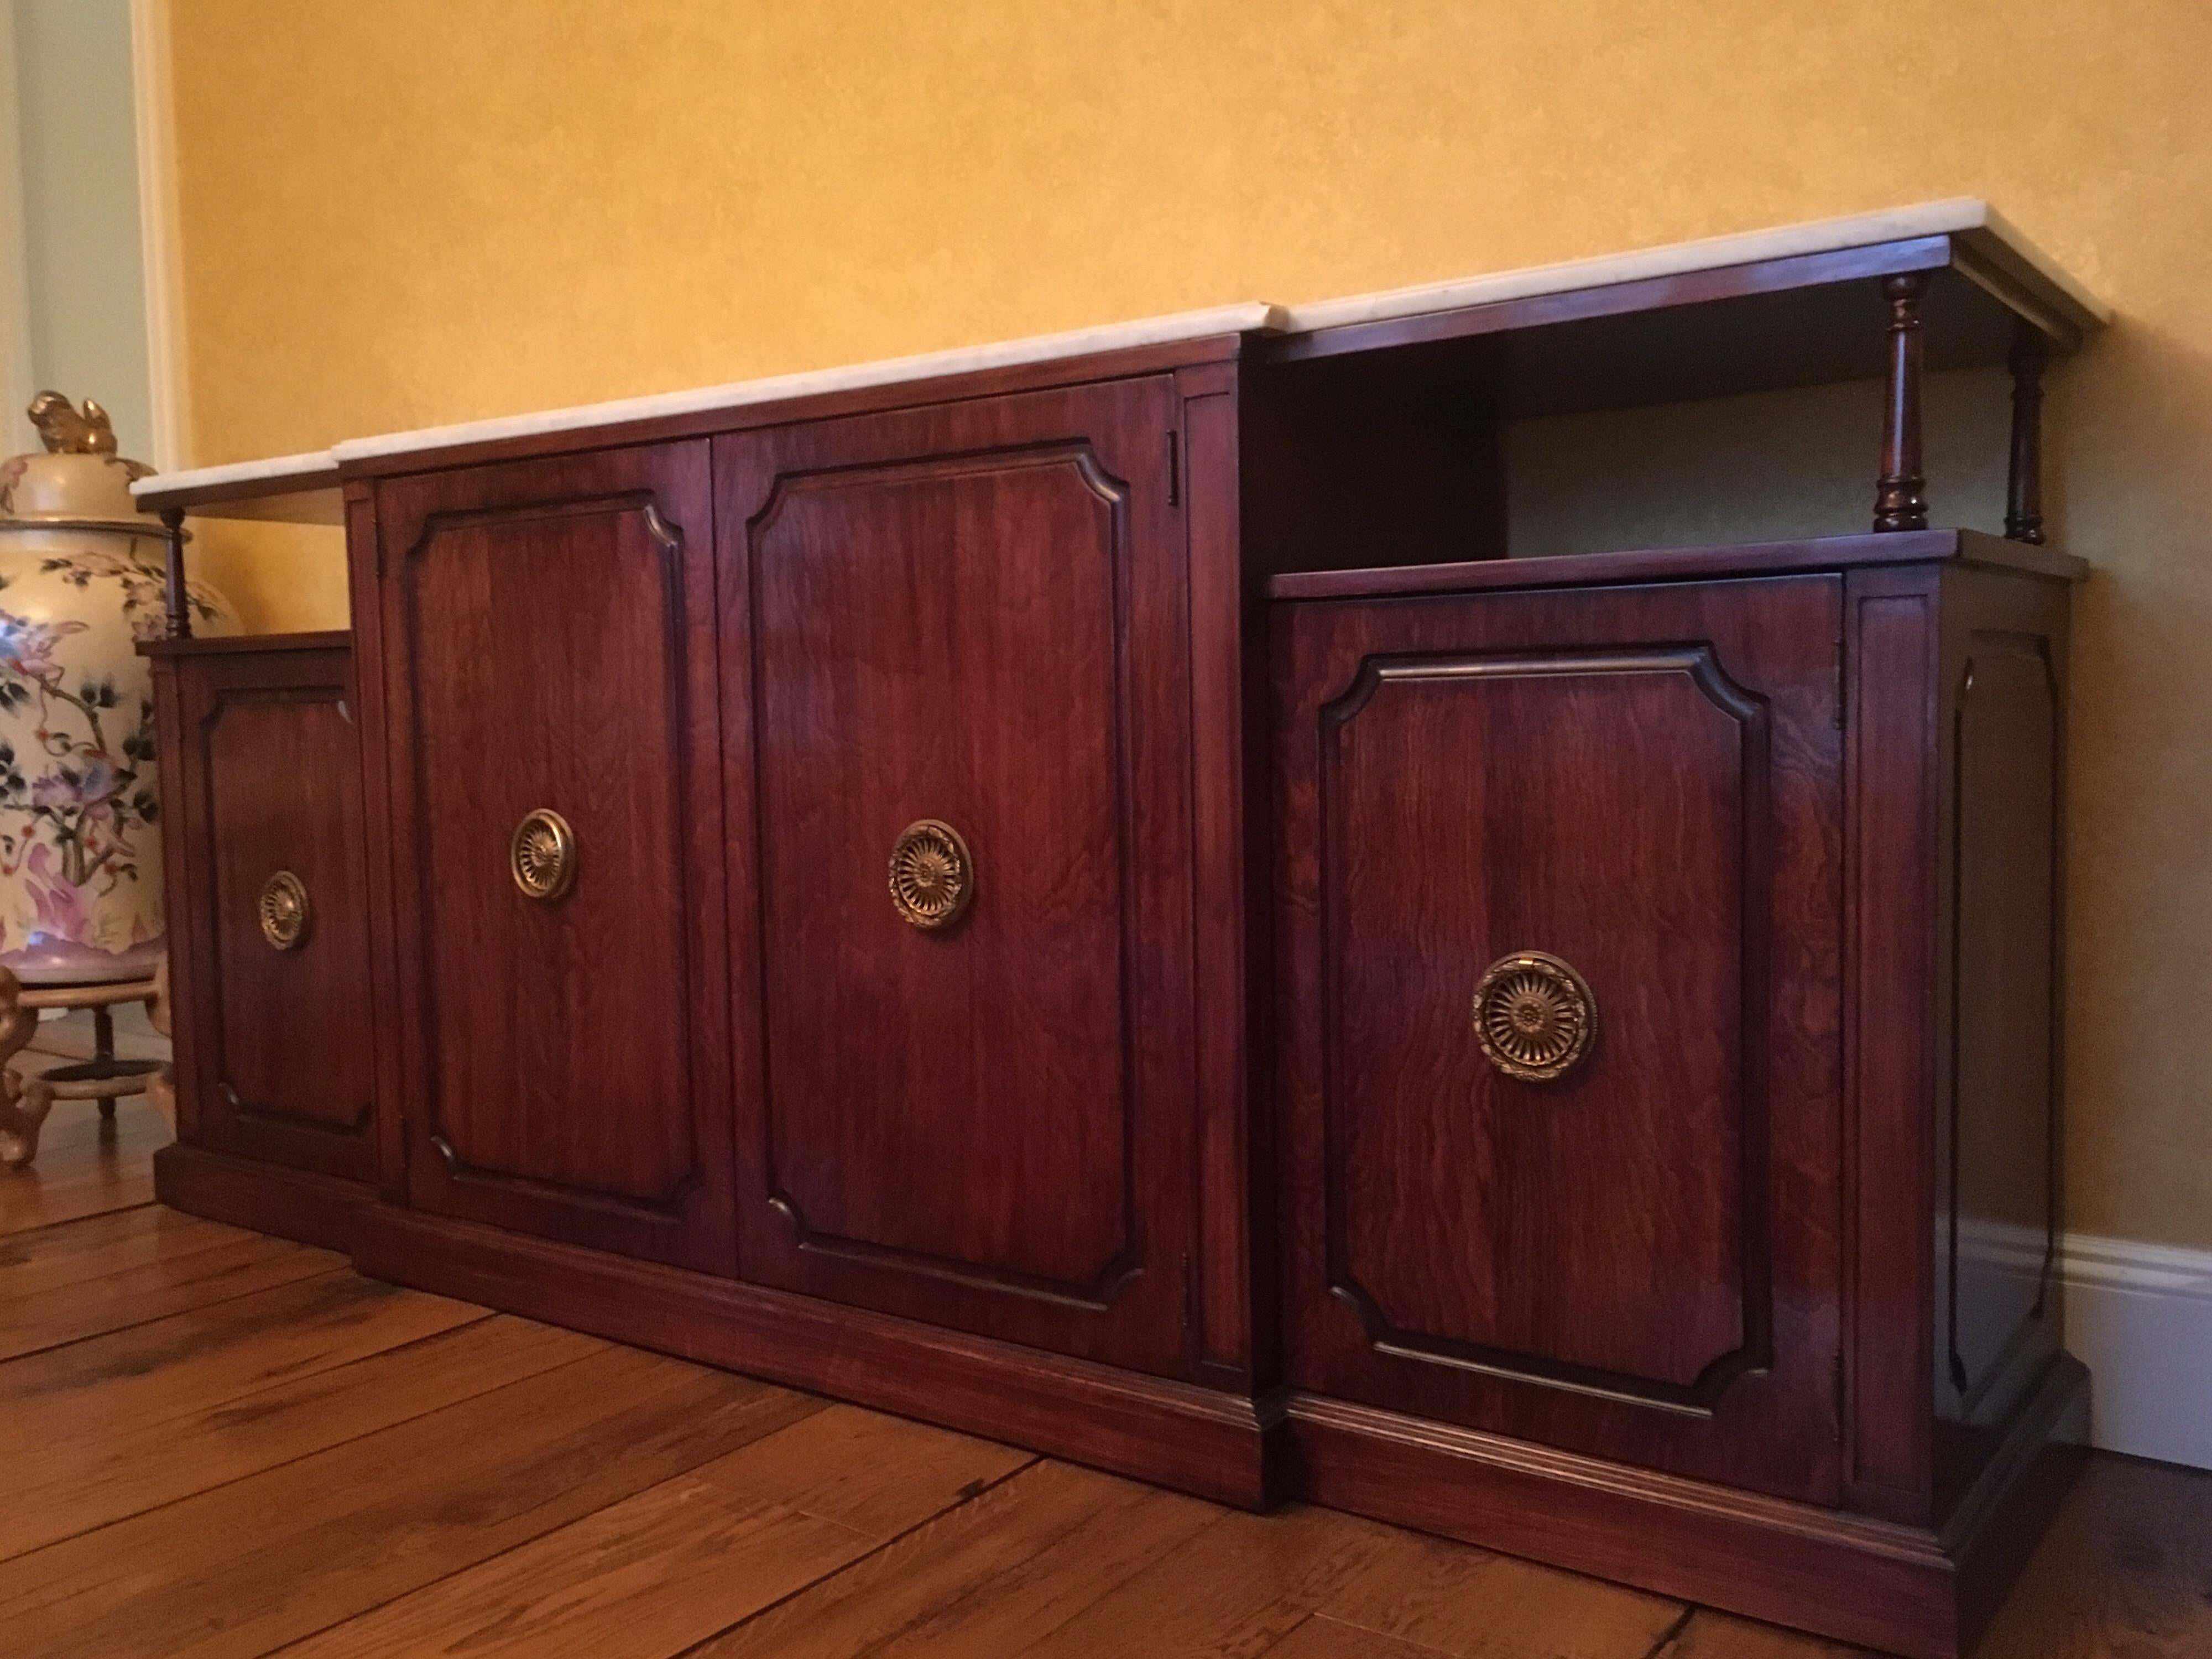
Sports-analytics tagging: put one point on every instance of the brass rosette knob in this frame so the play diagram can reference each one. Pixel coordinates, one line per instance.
(1533, 1016)
(542, 855)
(931, 876)
(282, 911)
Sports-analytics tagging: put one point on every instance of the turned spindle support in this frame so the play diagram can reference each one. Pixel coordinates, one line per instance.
(178, 603)
(1901, 500)
(2024, 483)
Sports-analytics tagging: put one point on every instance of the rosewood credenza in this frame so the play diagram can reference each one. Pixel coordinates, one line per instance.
(1082, 893)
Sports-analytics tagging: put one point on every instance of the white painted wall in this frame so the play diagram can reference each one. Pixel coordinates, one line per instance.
(15, 371)
(73, 144)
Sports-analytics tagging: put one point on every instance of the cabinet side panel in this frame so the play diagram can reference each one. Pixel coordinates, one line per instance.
(188, 1002)
(1999, 1319)
(1229, 773)
(1384, 459)
(364, 572)
(1891, 903)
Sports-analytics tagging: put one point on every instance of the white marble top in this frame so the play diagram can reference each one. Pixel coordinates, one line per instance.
(311, 470)
(1972, 221)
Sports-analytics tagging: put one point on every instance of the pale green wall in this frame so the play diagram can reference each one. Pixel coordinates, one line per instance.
(84, 271)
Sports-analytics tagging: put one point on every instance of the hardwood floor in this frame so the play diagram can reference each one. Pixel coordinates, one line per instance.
(219, 1444)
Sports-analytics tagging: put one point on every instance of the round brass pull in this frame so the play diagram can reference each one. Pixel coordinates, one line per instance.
(932, 877)
(1533, 1016)
(281, 910)
(541, 856)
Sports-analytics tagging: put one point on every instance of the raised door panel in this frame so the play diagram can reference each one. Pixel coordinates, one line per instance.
(555, 656)
(972, 617)
(1600, 829)
(270, 806)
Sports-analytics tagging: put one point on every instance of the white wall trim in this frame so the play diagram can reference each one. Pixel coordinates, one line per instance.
(16, 367)
(157, 233)
(2140, 1317)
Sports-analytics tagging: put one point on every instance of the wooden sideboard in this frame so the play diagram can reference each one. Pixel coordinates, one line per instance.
(1091, 900)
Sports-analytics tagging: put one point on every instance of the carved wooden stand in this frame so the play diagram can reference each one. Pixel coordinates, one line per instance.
(23, 1105)
(24, 1101)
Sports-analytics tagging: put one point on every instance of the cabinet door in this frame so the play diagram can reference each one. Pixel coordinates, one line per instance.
(548, 648)
(266, 802)
(973, 615)
(1635, 1257)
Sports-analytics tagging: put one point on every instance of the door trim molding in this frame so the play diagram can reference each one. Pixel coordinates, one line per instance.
(154, 118)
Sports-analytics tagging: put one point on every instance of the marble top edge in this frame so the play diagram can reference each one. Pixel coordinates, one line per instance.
(1995, 226)
(1968, 217)
(277, 468)
(1255, 318)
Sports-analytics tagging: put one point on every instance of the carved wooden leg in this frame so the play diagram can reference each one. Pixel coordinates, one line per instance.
(23, 1104)
(161, 1086)
(1901, 500)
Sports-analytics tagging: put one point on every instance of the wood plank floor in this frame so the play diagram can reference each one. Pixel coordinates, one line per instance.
(219, 1444)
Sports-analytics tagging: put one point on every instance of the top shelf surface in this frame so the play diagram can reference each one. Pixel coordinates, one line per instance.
(1797, 306)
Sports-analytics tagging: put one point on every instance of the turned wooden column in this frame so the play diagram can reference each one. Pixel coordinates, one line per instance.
(1901, 500)
(179, 606)
(2024, 484)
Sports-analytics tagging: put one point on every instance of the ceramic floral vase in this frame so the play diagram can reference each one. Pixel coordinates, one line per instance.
(81, 584)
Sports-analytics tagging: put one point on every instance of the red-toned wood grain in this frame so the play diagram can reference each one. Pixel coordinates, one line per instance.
(1193, 1439)
(548, 641)
(1893, 785)
(263, 761)
(1639, 1258)
(977, 614)
(1999, 1205)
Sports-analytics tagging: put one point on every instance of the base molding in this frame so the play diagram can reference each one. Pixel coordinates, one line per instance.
(1220, 1446)
(2140, 1317)
(1911, 1590)
(1903, 1588)
(308, 1209)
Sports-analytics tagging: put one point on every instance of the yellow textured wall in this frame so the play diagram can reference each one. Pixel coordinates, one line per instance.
(398, 212)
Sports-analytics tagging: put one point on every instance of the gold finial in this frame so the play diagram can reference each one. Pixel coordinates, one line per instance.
(65, 430)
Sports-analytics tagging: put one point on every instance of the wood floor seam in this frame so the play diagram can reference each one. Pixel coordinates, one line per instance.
(1672, 1634)
(339, 1265)
(71, 1220)
(315, 1451)
(1287, 1635)
(222, 1236)
(967, 1496)
(303, 1639)
(1323, 1616)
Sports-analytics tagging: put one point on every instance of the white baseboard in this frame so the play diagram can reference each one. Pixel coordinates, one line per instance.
(2140, 1317)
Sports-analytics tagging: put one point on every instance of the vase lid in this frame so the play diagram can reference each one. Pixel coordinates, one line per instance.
(79, 479)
